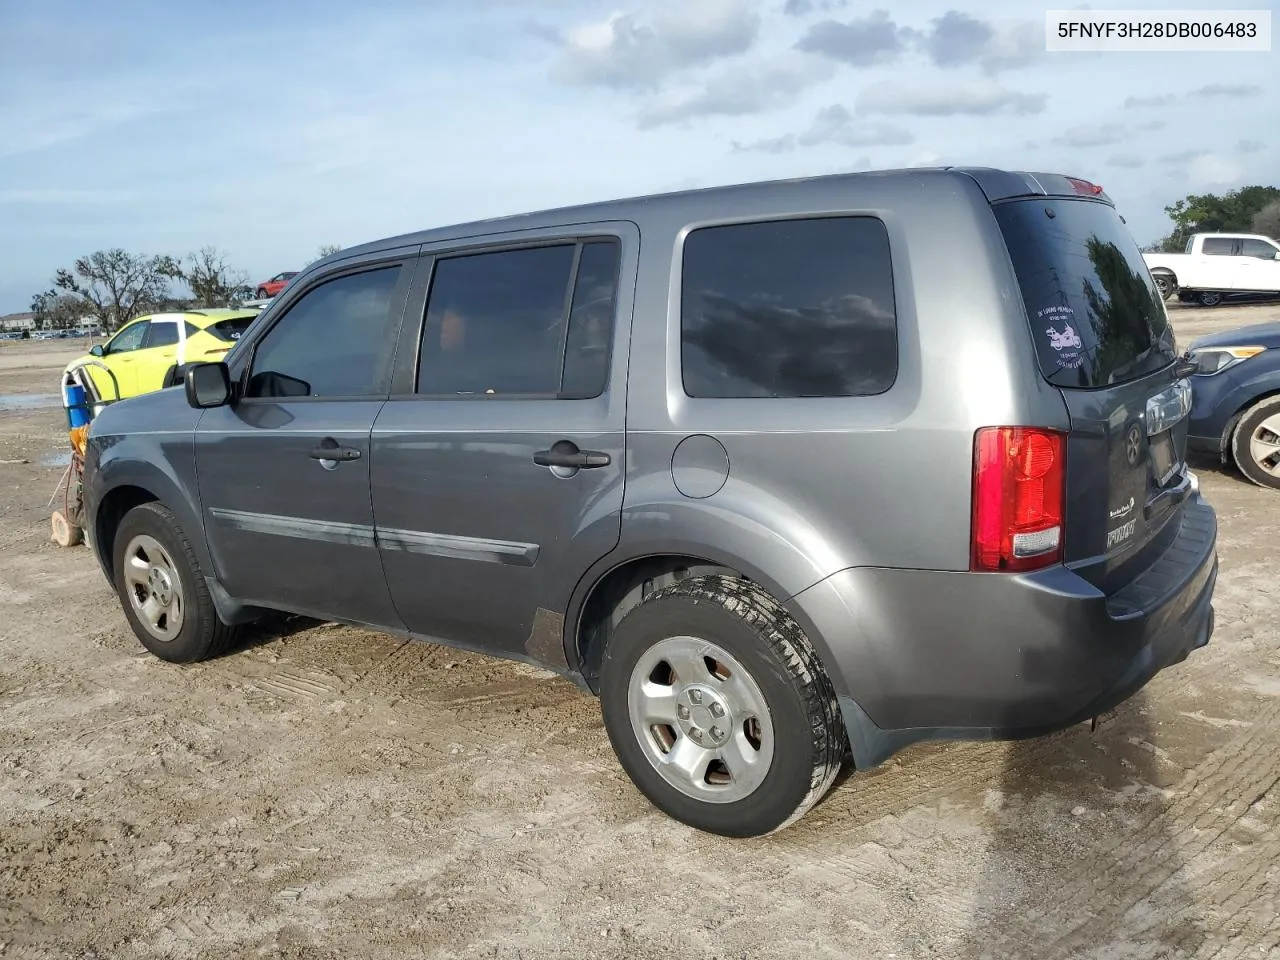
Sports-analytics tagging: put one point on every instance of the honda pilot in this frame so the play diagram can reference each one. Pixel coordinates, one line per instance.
(789, 474)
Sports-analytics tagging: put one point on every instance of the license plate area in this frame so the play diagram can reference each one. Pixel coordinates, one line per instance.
(1164, 458)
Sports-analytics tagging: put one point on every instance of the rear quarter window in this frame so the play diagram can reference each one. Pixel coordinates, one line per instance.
(789, 308)
(1096, 316)
(231, 330)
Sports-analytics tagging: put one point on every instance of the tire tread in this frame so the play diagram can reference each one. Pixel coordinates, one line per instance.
(778, 630)
(214, 636)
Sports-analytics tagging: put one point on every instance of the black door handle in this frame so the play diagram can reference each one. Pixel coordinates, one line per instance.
(582, 459)
(329, 450)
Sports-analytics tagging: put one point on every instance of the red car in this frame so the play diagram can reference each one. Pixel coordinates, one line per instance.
(269, 288)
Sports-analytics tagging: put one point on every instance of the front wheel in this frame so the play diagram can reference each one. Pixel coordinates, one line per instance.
(719, 709)
(162, 588)
(1210, 298)
(1166, 284)
(1255, 444)
(262, 293)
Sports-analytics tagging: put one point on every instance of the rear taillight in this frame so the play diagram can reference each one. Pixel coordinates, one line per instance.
(1019, 477)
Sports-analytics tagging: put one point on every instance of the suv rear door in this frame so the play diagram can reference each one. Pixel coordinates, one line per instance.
(1103, 338)
(498, 463)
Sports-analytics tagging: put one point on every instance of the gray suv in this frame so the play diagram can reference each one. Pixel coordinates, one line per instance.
(786, 473)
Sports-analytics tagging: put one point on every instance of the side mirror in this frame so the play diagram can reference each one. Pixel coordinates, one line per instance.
(97, 351)
(208, 385)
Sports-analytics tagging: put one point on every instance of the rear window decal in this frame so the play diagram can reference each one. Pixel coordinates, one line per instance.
(1056, 322)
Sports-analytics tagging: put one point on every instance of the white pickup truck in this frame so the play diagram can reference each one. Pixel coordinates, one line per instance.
(1216, 265)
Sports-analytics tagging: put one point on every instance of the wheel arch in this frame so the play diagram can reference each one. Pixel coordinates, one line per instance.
(605, 596)
(1243, 407)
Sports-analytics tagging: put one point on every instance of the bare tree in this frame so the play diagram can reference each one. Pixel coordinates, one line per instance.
(1267, 220)
(118, 286)
(213, 283)
(54, 311)
(327, 250)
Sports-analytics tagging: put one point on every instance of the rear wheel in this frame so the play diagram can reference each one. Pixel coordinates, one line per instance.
(1255, 444)
(162, 588)
(719, 709)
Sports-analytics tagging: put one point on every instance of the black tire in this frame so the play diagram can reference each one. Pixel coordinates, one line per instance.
(1167, 284)
(808, 734)
(1210, 298)
(202, 634)
(1251, 421)
(261, 293)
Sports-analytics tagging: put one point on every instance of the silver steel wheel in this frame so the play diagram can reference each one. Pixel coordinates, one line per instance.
(155, 591)
(1264, 445)
(701, 719)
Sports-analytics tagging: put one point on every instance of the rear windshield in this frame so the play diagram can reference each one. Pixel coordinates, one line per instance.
(1096, 316)
(231, 330)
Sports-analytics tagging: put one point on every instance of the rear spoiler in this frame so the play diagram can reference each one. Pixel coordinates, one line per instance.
(1008, 185)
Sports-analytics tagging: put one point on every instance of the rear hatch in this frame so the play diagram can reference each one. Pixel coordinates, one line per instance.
(1103, 338)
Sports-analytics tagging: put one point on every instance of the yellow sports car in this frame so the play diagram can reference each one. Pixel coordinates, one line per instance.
(147, 354)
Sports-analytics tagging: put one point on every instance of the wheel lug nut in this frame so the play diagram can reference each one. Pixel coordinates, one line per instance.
(696, 735)
(717, 710)
(695, 696)
(682, 712)
(717, 733)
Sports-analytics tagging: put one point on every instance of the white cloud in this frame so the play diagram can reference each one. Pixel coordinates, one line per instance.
(1211, 169)
(742, 91)
(626, 52)
(974, 99)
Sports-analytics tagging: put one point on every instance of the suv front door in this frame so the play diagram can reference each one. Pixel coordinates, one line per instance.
(485, 523)
(284, 469)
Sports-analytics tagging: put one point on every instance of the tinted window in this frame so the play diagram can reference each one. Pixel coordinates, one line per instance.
(587, 346)
(1257, 248)
(793, 308)
(130, 338)
(1217, 246)
(164, 333)
(1096, 316)
(336, 341)
(231, 330)
(495, 323)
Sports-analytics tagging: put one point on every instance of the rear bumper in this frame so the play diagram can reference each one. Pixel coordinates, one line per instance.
(919, 655)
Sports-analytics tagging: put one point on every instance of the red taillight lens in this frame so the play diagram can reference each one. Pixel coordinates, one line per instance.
(1019, 476)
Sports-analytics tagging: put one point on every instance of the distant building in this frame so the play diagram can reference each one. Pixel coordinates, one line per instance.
(17, 322)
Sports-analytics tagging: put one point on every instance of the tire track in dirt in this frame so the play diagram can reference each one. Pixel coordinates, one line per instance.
(1133, 866)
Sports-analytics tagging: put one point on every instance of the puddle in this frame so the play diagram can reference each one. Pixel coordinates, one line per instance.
(29, 401)
(56, 459)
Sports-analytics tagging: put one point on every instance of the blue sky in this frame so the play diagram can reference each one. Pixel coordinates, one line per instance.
(268, 130)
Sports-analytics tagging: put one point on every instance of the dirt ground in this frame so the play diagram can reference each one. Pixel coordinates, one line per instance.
(323, 792)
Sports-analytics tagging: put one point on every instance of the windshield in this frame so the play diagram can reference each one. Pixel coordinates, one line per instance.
(1096, 315)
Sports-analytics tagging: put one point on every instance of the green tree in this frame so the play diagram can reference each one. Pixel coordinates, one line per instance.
(1232, 212)
(117, 286)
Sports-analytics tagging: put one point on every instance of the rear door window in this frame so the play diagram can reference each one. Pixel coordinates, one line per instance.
(1096, 316)
(163, 333)
(1218, 246)
(535, 322)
